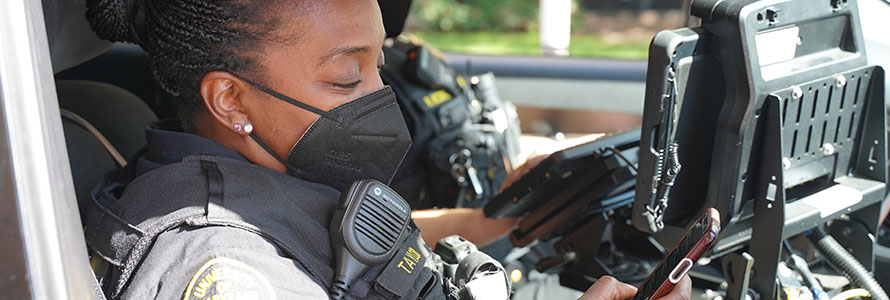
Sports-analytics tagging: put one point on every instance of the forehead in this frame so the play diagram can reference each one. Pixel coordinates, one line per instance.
(328, 25)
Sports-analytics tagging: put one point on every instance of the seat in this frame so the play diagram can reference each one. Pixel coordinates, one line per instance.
(104, 128)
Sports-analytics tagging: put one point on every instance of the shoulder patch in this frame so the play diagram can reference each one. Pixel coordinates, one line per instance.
(227, 278)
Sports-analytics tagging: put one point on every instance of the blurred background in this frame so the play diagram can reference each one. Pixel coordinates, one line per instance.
(597, 87)
(599, 28)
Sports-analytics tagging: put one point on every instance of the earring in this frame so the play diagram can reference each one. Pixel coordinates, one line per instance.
(248, 128)
(238, 127)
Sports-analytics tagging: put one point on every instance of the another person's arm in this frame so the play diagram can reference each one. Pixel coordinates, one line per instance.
(436, 224)
(469, 223)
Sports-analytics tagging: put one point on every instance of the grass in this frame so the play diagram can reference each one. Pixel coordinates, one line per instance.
(526, 43)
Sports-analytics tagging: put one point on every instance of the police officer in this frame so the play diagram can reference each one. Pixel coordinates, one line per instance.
(280, 107)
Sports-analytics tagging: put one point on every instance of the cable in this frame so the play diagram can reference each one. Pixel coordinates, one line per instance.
(618, 153)
(838, 257)
(845, 295)
(800, 264)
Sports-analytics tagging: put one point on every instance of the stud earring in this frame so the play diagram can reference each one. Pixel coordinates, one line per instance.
(237, 127)
(248, 128)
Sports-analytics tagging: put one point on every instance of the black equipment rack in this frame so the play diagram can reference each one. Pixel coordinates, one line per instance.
(552, 175)
(777, 121)
(570, 201)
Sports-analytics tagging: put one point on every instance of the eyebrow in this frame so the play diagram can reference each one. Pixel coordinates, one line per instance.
(343, 51)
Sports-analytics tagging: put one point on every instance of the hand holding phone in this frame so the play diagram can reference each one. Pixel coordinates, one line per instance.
(682, 257)
(608, 288)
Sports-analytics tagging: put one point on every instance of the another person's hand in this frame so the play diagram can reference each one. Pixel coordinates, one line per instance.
(609, 288)
(523, 169)
(470, 223)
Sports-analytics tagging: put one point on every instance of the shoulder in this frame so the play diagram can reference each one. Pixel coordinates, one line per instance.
(194, 263)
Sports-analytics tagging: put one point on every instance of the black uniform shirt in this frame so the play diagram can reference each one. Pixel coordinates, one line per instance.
(186, 262)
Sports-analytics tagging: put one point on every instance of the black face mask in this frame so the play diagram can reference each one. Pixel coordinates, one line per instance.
(365, 138)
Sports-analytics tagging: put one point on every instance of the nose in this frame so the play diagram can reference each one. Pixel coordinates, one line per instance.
(374, 83)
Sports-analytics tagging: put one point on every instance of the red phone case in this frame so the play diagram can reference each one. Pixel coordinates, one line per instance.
(675, 265)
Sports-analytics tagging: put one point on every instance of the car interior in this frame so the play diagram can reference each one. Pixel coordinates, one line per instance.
(106, 78)
(107, 95)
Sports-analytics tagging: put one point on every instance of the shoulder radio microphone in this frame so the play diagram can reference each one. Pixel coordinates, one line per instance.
(370, 223)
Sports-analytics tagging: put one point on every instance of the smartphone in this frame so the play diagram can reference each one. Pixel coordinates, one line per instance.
(682, 257)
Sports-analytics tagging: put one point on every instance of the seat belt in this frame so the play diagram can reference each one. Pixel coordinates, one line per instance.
(80, 121)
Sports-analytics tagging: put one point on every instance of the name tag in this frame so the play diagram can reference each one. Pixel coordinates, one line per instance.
(407, 272)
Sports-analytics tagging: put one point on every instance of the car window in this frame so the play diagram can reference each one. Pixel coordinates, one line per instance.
(604, 29)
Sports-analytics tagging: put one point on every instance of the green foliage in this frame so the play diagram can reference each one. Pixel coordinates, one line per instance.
(526, 43)
(474, 15)
(505, 27)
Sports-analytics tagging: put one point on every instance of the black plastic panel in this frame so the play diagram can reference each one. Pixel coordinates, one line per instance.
(820, 128)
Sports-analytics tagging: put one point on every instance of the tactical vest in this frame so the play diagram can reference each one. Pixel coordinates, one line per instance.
(458, 154)
(204, 190)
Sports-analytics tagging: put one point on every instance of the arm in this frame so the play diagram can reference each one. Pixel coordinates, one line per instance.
(436, 224)
(469, 223)
(191, 261)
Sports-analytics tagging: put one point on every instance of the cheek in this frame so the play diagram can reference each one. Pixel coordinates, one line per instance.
(286, 124)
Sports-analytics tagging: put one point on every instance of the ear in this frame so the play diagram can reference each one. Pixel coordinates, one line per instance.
(223, 95)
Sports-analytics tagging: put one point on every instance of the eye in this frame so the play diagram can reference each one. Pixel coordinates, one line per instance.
(350, 85)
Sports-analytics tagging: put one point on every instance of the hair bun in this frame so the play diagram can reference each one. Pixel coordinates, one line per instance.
(112, 19)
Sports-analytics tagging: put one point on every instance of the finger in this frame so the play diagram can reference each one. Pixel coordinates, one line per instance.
(681, 291)
(609, 288)
(624, 291)
(529, 164)
(509, 180)
(534, 161)
(520, 171)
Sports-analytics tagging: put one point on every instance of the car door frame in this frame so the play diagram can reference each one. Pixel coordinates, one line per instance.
(46, 256)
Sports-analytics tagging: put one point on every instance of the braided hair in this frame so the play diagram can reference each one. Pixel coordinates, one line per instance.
(186, 39)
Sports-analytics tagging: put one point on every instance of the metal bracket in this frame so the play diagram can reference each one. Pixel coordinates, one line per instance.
(769, 205)
(737, 271)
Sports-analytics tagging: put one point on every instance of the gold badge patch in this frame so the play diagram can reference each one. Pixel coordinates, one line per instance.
(436, 98)
(223, 278)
